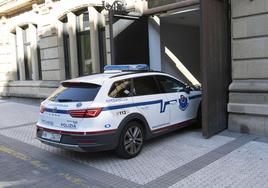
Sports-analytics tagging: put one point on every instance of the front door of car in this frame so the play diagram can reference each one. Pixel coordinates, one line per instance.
(180, 110)
(178, 99)
(150, 102)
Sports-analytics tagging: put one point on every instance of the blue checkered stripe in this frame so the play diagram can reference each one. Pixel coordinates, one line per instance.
(163, 105)
(161, 102)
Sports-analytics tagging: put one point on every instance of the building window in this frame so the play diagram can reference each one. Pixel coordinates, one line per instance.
(83, 44)
(81, 38)
(28, 53)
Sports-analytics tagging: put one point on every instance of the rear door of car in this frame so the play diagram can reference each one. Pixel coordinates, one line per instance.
(150, 101)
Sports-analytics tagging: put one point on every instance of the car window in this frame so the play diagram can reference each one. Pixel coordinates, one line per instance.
(170, 85)
(120, 89)
(77, 92)
(145, 86)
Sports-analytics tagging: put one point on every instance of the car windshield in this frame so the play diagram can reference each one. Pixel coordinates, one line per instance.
(75, 92)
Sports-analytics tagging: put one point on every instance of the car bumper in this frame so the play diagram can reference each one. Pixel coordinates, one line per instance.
(98, 141)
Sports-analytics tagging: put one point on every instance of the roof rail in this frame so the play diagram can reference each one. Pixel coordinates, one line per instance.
(135, 72)
(137, 67)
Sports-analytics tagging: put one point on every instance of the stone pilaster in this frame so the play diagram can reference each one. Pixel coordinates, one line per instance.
(248, 98)
(94, 38)
(71, 27)
(34, 57)
(20, 52)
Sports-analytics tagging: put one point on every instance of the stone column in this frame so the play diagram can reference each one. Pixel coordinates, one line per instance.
(61, 49)
(94, 39)
(154, 43)
(71, 27)
(33, 46)
(14, 68)
(20, 52)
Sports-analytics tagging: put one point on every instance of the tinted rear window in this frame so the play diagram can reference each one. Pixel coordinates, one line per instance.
(145, 86)
(75, 92)
(120, 89)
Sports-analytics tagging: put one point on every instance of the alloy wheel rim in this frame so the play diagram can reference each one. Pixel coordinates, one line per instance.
(133, 140)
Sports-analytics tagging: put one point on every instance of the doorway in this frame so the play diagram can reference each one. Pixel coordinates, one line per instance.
(189, 40)
(180, 44)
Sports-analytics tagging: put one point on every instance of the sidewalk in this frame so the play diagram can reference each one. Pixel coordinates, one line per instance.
(179, 159)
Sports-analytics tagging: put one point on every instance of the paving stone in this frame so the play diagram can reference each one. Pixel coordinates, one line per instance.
(13, 114)
(157, 158)
(246, 166)
(184, 151)
(17, 173)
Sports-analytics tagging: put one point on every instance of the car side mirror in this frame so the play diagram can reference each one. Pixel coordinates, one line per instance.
(187, 89)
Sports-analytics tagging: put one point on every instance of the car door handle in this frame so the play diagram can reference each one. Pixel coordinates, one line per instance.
(173, 102)
(144, 107)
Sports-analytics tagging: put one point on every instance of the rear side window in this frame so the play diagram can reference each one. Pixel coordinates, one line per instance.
(145, 86)
(170, 85)
(120, 89)
(78, 92)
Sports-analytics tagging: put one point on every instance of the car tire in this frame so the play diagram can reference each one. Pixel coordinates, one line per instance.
(131, 140)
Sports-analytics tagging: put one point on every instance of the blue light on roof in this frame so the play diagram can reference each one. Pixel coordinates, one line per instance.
(137, 67)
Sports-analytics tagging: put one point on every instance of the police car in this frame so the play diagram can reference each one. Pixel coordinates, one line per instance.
(118, 109)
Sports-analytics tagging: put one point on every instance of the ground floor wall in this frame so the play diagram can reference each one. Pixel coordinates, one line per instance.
(32, 56)
(33, 89)
(248, 98)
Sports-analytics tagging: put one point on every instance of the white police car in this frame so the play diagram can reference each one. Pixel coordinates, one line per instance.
(117, 109)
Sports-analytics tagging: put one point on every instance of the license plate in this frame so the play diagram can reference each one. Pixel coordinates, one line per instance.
(51, 136)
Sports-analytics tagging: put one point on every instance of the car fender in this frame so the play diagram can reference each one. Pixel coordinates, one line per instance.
(135, 117)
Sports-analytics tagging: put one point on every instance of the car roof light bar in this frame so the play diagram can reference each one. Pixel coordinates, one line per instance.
(137, 67)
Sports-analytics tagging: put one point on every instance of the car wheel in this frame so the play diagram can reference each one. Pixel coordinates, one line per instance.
(131, 140)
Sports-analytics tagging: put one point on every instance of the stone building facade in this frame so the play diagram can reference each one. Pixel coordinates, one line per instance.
(248, 98)
(43, 42)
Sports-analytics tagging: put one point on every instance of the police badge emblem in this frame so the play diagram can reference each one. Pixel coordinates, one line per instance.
(183, 102)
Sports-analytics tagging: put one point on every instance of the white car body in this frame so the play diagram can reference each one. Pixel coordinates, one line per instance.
(159, 112)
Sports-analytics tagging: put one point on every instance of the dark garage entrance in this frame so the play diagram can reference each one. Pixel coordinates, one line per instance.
(179, 43)
(206, 25)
